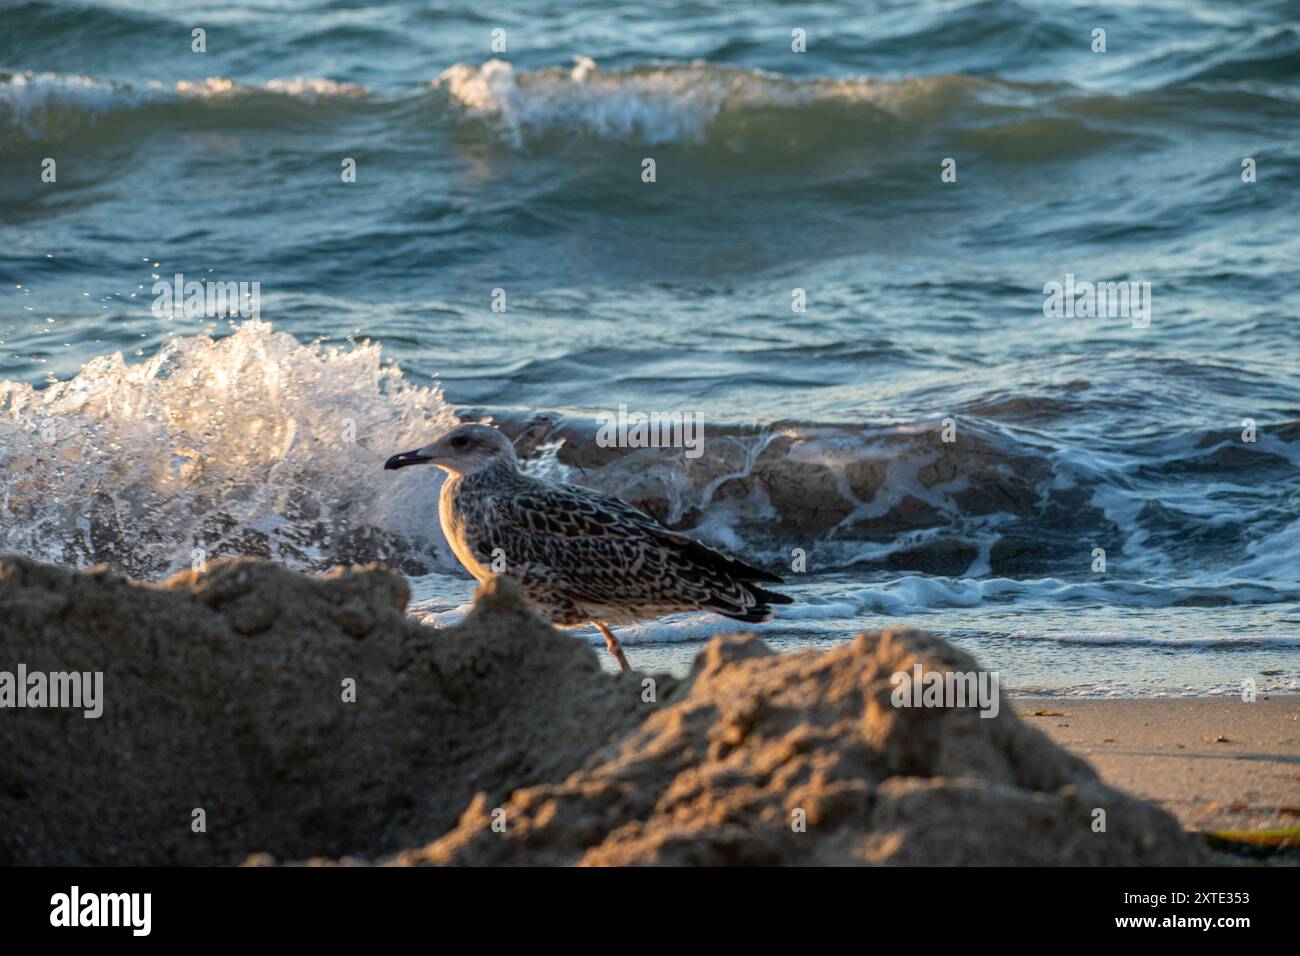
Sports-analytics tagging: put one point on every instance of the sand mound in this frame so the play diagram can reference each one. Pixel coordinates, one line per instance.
(224, 692)
(718, 777)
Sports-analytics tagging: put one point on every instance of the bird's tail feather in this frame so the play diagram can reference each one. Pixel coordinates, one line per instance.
(770, 597)
(759, 611)
(728, 572)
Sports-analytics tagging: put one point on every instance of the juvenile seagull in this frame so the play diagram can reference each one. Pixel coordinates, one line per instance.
(578, 556)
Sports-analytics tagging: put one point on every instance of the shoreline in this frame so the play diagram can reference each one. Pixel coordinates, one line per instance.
(1046, 670)
(1213, 763)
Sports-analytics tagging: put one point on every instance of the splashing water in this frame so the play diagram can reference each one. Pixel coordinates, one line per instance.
(247, 444)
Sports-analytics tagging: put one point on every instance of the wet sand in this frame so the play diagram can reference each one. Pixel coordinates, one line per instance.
(1214, 763)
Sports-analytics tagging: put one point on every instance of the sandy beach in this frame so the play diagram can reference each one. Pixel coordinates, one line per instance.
(1214, 763)
(310, 718)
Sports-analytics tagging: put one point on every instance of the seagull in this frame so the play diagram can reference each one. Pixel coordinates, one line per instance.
(578, 556)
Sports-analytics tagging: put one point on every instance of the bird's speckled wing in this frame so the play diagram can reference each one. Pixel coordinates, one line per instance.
(584, 555)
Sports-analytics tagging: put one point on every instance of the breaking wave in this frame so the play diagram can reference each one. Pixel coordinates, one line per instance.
(54, 106)
(721, 107)
(247, 444)
(254, 443)
(676, 102)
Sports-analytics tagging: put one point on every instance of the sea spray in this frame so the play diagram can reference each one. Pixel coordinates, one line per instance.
(251, 443)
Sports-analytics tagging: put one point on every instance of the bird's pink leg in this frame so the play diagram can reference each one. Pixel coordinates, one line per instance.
(614, 645)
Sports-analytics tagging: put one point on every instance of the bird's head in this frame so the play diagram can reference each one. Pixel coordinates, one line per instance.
(463, 450)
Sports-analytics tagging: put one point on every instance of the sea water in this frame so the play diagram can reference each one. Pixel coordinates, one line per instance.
(861, 247)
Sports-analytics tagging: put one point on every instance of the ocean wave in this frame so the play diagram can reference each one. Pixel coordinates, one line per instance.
(702, 104)
(685, 102)
(1268, 53)
(911, 593)
(254, 443)
(1179, 642)
(897, 497)
(52, 106)
(720, 108)
(755, 111)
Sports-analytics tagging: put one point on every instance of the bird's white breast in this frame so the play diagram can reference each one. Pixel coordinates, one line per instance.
(455, 527)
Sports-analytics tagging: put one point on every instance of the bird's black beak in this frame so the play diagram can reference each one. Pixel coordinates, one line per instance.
(406, 458)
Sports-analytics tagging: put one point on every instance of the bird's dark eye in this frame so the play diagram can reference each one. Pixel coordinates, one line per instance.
(460, 441)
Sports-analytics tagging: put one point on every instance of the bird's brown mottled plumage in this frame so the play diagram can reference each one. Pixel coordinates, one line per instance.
(579, 556)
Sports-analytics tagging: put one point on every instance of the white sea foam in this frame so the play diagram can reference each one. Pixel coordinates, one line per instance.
(1275, 557)
(35, 102)
(24, 97)
(251, 443)
(656, 106)
(663, 103)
